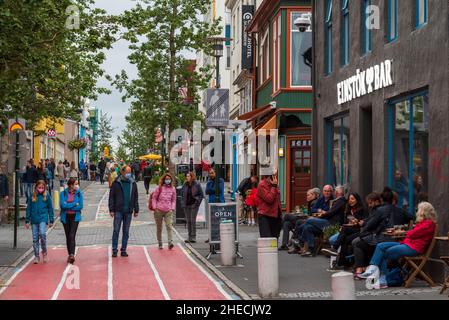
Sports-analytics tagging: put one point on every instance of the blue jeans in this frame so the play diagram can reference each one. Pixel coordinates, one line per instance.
(118, 219)
(333, 239)
(28, 190)
(39, 232)
(312, 227)
(61, 182)
(390, 251)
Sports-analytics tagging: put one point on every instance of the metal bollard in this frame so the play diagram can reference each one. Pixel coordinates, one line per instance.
(55, 199)
(268, 267)
(227, 243)
(343, 286)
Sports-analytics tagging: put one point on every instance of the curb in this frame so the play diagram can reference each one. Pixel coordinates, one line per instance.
(243, 295)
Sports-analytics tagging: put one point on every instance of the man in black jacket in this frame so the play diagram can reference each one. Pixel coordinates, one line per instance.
(4, 194)
(147, 175)
(123, 202)
(322, 219)
(30, 178)
(102, 168)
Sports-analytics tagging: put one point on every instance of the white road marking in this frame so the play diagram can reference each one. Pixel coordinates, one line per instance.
(15, 275)
(156, 275)
(100, 204)
(63, 280)
(215, 282)
(110, 287)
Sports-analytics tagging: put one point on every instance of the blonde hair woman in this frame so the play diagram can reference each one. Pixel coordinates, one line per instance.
(415, 243)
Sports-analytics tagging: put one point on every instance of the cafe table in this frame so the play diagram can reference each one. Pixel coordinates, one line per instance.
(445, 259)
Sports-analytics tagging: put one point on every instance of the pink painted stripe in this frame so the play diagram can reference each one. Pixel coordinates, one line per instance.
(182, 279)
(92, 263)
(38, 281)
(133, 278)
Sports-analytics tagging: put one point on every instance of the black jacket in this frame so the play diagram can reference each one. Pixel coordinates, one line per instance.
(147, 172)
(102, 165)
(116, 199)
(30, 175)
(197, 194)
(4, 188)
(336, 213)
(244, 186)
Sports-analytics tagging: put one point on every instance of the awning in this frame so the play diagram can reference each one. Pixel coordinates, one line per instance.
(151, 157)
(259, 112)
(271, 124)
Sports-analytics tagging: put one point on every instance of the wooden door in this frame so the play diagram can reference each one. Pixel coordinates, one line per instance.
(300, 169)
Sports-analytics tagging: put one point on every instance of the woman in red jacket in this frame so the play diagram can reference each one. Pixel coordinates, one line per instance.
(415, 243)
(268, 202)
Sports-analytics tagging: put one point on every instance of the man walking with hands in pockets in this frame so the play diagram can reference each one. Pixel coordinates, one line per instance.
(123, 202)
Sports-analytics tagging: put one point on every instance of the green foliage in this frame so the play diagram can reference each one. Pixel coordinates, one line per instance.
(77, 144)
(330, 231)
(169, 28)
(47, 69)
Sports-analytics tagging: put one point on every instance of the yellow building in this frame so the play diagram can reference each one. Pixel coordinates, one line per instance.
(46, 147)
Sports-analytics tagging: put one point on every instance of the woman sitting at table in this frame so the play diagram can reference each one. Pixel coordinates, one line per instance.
(415, 243)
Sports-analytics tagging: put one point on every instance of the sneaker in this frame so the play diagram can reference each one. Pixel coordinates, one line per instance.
(114, 254)
(45, 258)
(36, 260)
(330, 251)
(192, 241)
(187, 241)
(160, 246)
(307, 254)
(124, 254)
(171, 246)
(369, 272)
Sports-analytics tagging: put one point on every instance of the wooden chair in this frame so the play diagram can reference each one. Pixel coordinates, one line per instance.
(446, 282)
(417, 264)
(319, 241)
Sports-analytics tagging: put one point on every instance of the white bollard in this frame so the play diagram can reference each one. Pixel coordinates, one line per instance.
(343, 286)
(268, 267)
(227, 243)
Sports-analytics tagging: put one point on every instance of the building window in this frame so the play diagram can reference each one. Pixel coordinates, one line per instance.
(345, 48)
(408, 149)
(366, 43)
(392, 13)
(228, 57)
(264, 59)
(421, 12)
(338, 146)
(277, 42)
(328, 37)
(301, 54)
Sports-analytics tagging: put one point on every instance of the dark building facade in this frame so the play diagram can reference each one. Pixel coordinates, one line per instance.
(382, 92)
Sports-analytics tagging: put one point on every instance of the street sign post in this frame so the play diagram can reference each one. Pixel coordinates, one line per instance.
(16, 126)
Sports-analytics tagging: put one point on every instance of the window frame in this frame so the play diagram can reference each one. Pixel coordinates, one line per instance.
(390, 21)
(277, 52)
(290, 32)
(328, 63)
(345, 31)
(418, 9)
(329, 127)
(366, 32)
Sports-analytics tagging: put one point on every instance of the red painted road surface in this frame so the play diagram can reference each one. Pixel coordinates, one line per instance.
(147, 274)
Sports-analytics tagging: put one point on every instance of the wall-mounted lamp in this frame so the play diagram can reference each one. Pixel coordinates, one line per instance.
(281, 152)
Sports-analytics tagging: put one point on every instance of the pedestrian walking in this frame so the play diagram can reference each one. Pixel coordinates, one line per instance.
(163, 202)
(73, 172)
(102, 169)
(123, 203)
(30, 179)
(4, 194)
(192, 196)
(60, 173)
(83, 169)
(42, 173)
(66, 171)
(71, 204)
(210, 188)
(93, 172)
(136, 170)
(268, 202)
(147, 176)
(40, 213)
(113, 175)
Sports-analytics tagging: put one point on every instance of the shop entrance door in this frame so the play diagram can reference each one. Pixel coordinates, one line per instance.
(300, 169)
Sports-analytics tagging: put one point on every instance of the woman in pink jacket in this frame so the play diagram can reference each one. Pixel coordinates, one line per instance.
(415, 243)
(164, 203)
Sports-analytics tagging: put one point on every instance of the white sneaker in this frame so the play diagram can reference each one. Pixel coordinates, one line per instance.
(36, 260)
(45, 257)
(369, 271)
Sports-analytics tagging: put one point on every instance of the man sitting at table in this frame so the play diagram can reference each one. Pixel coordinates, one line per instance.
(321, 220)
(415, 243)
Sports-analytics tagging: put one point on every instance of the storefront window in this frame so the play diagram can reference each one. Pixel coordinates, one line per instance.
(339, 151)
(408, 145)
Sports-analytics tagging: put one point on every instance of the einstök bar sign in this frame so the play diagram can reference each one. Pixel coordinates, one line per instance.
(365, 82)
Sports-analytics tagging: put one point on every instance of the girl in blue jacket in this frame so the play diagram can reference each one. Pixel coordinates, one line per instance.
(71, 205)
(40, 213)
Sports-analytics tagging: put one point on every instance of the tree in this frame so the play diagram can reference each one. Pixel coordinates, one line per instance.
(168, 27)
(105, 131)
(49, 65)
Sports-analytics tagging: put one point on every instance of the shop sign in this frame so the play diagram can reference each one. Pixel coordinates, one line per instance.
(365, 82)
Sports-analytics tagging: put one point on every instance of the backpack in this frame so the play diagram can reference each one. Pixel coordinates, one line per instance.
(150, 201)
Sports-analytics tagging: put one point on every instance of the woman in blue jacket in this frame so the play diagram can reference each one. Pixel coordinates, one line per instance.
(40, 213)
(71, 205)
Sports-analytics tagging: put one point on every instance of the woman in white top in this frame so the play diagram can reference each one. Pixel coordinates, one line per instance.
(73, 172)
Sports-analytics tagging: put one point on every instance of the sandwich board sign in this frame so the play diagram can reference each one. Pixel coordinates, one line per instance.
(217, 213)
